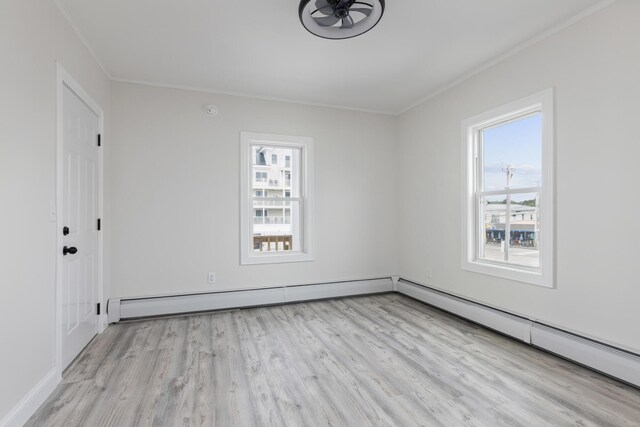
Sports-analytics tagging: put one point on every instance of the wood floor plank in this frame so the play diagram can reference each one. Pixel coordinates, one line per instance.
(303, 353)
(562, 382)
(495, 375)
(232, 398)
(383, 360)
(353, 401)
(292, 397)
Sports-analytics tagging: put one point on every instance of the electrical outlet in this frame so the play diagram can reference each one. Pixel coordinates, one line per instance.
(429, 273)
(211, 277)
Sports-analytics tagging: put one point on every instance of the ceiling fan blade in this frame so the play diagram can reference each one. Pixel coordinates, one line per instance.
(363, 10)
(327, 21)
(324, 4)
(347, 22)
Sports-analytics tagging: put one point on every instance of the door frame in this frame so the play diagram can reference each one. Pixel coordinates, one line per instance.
(63, 78)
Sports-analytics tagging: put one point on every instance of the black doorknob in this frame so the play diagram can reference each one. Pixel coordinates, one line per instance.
(72, 250)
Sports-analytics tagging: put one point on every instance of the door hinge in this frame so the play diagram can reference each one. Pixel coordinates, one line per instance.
(99, 140)
(99, 224)
(98, 308)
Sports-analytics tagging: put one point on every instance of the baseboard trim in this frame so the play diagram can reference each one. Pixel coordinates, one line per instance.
(611, 361)
(505, 323)
(120, 309)
(30, 403)
(605, 359)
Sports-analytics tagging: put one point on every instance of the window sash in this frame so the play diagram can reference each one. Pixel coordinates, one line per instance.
(300, 220)
(478, 178)
(478, 133)
(479, 223)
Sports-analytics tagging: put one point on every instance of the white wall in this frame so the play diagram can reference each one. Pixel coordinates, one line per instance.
(33, 35)
(595, 68)
(175, 184)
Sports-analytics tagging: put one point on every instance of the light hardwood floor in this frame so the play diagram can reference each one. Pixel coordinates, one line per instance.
(376, 360)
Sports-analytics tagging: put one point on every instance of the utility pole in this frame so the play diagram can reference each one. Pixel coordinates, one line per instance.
(507, 225)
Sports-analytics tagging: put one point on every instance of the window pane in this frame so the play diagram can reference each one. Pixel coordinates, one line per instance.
(276, 225)
(276, 179)
(517, 217)
(512, 154)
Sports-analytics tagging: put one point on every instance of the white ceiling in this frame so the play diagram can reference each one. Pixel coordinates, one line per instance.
(259, 48)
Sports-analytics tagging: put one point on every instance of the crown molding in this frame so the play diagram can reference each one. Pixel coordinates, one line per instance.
(464, 77)
(249, 96)
(512, 52)
(83, 40)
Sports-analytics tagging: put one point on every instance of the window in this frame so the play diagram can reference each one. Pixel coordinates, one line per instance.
(508, 194)
(261, 177)
(276, 228)
(260, 160)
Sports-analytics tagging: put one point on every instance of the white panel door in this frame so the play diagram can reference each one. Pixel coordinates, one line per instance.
(79, 221)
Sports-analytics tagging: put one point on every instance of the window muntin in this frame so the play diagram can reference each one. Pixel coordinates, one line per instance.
(508, 195)
(277, 204)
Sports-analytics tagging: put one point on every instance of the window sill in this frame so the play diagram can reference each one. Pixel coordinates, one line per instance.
(522, 275)
(276, 258)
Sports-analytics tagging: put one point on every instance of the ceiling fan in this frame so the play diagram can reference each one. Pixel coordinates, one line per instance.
(340, 19)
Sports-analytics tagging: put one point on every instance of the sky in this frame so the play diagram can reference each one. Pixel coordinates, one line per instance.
(517, 144)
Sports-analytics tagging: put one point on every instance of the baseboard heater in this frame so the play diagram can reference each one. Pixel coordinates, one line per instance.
(120, 309)
(611, 361)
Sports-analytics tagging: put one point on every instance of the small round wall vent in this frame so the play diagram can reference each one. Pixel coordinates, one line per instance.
(211, 110)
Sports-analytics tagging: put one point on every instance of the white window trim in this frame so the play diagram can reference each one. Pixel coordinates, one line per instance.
(545, 275)
(305, 144)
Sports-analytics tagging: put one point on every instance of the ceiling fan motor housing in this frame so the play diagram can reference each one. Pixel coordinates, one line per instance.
(340, 19)
(341, 7)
